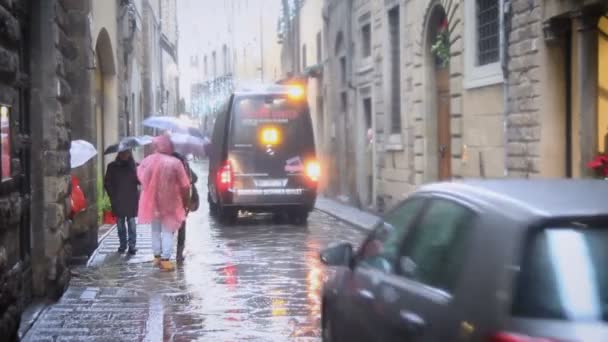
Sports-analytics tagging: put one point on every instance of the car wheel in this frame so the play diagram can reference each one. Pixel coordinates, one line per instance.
(228, 215)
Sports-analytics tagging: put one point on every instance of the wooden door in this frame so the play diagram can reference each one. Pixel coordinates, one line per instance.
(443, 124)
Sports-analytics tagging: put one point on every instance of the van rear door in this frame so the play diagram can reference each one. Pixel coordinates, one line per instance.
(271, 143)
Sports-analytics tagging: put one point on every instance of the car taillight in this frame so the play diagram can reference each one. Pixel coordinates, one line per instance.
(313, 170)
(512, 337)
(225, 177)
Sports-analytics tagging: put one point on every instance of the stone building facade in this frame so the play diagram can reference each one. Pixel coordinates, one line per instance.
(169, 57)
(237, 45)
(394, 117)
(439, 118)
(427, 90)
(68, 70)
(558, 80)
(338, 95)
(41, 92)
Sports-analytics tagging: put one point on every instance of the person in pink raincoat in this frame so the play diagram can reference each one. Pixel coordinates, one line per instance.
(165, 189)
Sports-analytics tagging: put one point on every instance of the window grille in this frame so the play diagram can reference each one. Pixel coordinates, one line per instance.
(488, 24)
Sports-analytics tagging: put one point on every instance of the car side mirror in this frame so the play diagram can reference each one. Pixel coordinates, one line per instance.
(338, 255)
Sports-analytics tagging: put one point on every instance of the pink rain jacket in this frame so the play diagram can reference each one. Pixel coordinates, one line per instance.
(163, 183)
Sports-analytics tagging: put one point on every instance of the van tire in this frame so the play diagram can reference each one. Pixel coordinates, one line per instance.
(228, 215)
(299, 216)
(213, 210)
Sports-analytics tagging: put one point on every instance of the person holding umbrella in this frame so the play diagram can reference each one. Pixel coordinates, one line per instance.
(191, 205)
(164, 198)
(122, 185)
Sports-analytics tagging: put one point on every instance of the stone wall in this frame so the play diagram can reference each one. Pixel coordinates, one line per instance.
(524, 89)
(77, 49)
(41, 79)
(51, 100)
(395, 157)
(341, 172)
(14, 262)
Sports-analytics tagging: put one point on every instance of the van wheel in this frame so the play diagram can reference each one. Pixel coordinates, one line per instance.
(228, 215)
(212, 206)
(299, 216)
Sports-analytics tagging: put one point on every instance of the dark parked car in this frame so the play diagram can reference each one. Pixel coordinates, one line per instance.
(503, 260)
(262, 155)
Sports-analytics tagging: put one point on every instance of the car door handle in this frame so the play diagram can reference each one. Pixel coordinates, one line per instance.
(412, 322)
(366, 294)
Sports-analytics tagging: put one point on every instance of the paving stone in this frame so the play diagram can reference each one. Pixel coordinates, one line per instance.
(253, 281)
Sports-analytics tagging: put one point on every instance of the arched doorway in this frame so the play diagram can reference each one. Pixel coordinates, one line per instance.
(105, 103)
(438, 145)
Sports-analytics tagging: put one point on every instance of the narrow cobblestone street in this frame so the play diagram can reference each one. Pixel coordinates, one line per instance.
(254, 281)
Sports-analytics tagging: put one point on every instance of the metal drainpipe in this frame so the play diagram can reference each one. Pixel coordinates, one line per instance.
(506, 19)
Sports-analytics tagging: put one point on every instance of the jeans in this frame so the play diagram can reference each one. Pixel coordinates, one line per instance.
(162, 241)
(122, 231)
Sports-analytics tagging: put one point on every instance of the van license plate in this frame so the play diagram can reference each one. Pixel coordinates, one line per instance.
(270, 183)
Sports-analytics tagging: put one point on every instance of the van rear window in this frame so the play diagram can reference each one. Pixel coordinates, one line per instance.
(251, 114)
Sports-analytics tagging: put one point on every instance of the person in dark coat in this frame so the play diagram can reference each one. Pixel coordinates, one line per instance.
(181, 235)
(122, 185)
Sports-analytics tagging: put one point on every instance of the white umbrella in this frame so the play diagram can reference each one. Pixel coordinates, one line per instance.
(186, 139)
(168, 123)
(81, 152)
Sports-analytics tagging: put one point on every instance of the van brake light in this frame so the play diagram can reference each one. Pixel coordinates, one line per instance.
(225, 177)
(313, 170)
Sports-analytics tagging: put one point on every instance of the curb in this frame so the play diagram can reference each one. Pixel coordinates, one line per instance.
(99, 243)
(25, 328)
(356, 225)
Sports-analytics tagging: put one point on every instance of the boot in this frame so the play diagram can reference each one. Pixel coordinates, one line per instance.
(156, 260)
(166, 265)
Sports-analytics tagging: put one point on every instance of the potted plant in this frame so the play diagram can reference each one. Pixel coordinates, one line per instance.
(104, 205)
(441, 44)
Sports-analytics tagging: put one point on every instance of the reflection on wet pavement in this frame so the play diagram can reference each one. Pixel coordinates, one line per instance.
(253, 281)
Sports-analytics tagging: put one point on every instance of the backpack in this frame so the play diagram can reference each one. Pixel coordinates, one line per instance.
(194, 199)
(194, 202)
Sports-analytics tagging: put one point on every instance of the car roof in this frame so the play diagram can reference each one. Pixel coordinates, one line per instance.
(528, 199)
(262, 89)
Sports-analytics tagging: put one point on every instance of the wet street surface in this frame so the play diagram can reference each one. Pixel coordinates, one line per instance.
(252, 281)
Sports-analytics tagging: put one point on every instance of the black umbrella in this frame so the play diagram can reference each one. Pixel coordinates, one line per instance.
(111, 149)
(128, 143)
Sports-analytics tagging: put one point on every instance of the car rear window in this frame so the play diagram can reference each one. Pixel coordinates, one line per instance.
(251, 114)
(564, 275)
